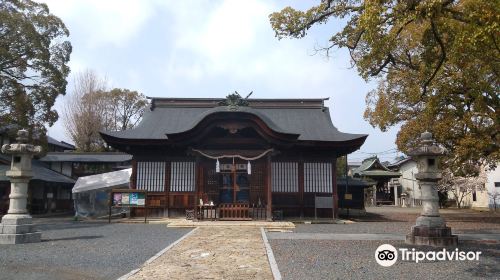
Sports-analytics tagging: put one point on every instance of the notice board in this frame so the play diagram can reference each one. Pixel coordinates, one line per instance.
(128, 198)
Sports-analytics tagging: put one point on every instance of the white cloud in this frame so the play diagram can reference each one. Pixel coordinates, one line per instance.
(231, 29)
(99, 23)
(232, 42)
(195, 48)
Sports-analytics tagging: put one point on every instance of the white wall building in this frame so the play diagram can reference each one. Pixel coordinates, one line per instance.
(480, 199)
(487, 197)
(493, 187)
(409, 185)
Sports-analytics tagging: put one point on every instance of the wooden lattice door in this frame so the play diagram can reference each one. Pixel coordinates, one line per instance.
(211, 183)
(257, 181)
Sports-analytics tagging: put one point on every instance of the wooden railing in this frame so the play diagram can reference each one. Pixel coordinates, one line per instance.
(234, 212)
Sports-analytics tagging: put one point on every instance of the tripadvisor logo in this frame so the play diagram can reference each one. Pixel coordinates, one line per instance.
(386, 255)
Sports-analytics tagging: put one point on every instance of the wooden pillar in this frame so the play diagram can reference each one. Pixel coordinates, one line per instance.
(301, 187)
(334, 190)
(167, 187)
(133, 176)
(197, 186)
(233, 174)
(269, 212)
(133, 183)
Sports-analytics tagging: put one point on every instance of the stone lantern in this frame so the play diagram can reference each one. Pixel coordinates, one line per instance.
(16, 227)
(430, 228)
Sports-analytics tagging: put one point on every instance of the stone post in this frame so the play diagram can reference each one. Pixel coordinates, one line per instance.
(16, 227)
(430, 228)
(396, 199)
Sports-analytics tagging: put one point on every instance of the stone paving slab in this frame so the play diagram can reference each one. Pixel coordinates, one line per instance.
(213, 253)
(255, 224)
(366, 236)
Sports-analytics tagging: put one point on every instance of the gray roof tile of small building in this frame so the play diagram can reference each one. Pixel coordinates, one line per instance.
(62, 144)
(400, 162)
(311, 123)
(85, 157)
(366, 169)
(40, 172)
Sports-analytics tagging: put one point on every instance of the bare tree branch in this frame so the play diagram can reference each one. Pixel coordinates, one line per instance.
(441, 60)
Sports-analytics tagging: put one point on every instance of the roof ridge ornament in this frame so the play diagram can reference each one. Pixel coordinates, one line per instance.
(234, 100)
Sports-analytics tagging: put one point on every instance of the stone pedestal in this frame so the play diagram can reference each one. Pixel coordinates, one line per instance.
(430, 228)
(16, 227)
(431, 236)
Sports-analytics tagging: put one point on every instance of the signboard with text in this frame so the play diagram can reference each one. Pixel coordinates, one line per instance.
(129, 199)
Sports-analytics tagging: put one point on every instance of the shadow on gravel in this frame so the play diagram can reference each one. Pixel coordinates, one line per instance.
(71, 225)
(476, 231)
(472, 220)
(73, 238)
(375, 217)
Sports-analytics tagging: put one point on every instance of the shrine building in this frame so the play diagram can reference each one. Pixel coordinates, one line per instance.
(235, 153)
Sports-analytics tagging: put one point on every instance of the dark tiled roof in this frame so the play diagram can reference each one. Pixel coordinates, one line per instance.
(50, 140)
(8, 128)
(40, 172)
(400, 162)
(5, 158)
(354, 182)
(85, 157)
(62, 144)
(371, 167)
(379, 173)
(310, 121)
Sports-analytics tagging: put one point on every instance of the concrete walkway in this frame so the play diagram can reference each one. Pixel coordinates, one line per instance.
(212, 253)
(368, 236)
(256, 224)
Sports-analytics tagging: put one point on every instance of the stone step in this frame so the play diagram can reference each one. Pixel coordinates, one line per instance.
(31, 237)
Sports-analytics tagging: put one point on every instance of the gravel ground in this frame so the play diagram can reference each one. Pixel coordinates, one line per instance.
(321, 259)
(369, 227)
(400, 220)
(85, 250)
(332, 259)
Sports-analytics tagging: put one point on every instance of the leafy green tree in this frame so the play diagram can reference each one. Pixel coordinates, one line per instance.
(341, 167)
(437, 63)
(126, 108)
(33, 63)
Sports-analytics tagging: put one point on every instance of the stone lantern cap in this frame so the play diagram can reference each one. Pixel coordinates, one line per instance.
(21, 147)
(426, 146)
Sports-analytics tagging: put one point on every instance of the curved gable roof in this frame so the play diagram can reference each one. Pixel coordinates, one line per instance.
(372, 167)
(310, 122)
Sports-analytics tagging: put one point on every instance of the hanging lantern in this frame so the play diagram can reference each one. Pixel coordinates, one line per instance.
(217, 166)
(249, 168)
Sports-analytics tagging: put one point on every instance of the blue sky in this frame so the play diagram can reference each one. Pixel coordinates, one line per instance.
(209, 49)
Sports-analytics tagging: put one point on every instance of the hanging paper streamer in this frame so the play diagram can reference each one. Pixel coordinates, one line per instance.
(217, 166)
(249, 168)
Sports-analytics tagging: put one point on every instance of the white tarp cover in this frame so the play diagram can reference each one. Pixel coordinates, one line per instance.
(102, 181)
